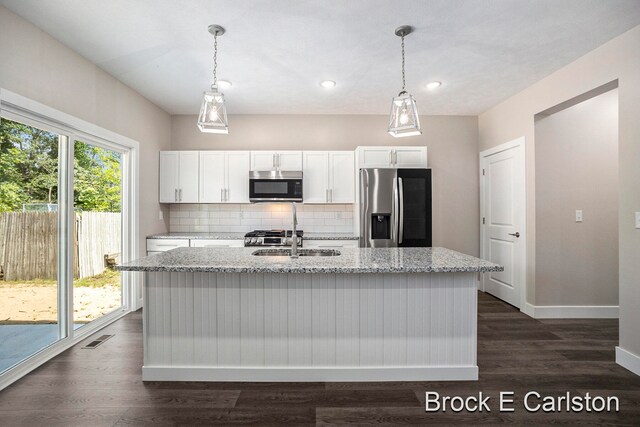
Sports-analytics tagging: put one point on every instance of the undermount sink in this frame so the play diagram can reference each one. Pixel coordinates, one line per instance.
(301, 252)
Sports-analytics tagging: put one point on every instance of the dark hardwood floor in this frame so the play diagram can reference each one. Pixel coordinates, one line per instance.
(515, 353)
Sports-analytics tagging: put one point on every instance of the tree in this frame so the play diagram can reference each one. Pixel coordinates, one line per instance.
(29, 170)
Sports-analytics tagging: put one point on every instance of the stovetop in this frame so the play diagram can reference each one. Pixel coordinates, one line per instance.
(273, 233)
(271, 238)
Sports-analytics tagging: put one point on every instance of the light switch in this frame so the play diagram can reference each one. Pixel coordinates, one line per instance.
(637, 219)
(579, 216)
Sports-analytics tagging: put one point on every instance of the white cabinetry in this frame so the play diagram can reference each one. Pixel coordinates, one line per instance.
(392, 157)
(328, 176)
(216, 243)
(179, 176)
(276, 160)
(329, 244)
(224, 176)
(155, 246)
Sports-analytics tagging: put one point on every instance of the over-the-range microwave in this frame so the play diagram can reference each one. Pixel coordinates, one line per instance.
(275, 186)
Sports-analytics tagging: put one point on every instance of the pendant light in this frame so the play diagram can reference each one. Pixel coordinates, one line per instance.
(404, 120)
(213, 113)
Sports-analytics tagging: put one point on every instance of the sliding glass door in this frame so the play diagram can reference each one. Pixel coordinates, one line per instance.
(97, 197)
(30, 290)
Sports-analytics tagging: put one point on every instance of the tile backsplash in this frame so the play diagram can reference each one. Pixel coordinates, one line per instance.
(244, 217)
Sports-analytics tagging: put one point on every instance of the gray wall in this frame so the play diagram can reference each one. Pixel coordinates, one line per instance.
(513, 118)
(36, 66)
(452, 150)
(577, 165)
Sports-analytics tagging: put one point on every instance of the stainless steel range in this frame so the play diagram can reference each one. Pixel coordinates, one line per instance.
(271, 238)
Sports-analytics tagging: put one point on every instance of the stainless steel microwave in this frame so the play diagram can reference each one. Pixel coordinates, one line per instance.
(275, 186)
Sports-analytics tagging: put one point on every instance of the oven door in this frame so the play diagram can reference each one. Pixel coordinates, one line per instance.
(275, 186)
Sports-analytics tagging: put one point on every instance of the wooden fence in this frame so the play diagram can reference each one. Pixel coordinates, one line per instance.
(29, 243)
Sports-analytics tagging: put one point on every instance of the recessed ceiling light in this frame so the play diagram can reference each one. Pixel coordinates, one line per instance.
(327, 84)
(224, 84)
(433, 85)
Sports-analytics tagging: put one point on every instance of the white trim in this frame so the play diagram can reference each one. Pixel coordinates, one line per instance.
(518, 142)
(46, 354)
(628, 360)
(571, 311)
(310, 374)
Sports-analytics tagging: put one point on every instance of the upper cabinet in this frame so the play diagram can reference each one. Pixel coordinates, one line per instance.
(328, 176)
(224, 176)
(392, 157)
(276, 160)
(179, 176)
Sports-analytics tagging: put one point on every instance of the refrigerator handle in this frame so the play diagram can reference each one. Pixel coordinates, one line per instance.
(394, 213)
(401, 216)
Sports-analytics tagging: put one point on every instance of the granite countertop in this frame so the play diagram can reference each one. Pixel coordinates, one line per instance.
(351, 260)
(240, 236)
(193, 236)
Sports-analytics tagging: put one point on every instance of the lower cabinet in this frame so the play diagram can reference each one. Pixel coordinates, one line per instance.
(215, 243)
(163, 245)
(329, 244)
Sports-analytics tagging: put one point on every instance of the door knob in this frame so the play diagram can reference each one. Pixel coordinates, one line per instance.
(517, 234)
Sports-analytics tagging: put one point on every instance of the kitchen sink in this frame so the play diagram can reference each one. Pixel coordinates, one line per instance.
(301, 252)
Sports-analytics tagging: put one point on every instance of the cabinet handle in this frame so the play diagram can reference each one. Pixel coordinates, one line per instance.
(331, 195)
(326, 195)
(222, 194)
(273, 161)
(226, 194)
(175, 195)
(278, 161)
(180, 195)
(394, 154)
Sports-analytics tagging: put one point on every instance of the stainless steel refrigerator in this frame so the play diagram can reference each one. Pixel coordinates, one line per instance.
(395, 208)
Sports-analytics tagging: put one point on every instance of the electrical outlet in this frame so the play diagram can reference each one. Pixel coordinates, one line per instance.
(160, 215)
(578, 216)
(638, 220)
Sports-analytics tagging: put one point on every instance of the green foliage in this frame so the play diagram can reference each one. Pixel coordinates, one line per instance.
(29, 171)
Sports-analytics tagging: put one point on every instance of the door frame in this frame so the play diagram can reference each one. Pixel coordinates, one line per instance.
(516, 143)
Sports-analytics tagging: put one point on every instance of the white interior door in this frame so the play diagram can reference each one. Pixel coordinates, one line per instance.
(503, 220)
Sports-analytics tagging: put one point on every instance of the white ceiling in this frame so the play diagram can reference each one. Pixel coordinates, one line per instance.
(277, 51)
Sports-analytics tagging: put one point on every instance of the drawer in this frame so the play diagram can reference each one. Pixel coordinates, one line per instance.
(215, 243)
(163, 245)
(329, 244)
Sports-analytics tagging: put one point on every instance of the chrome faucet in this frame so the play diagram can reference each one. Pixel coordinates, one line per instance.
(294, 232)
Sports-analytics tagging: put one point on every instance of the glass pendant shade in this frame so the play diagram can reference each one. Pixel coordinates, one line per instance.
(404, 120)
(213, 113)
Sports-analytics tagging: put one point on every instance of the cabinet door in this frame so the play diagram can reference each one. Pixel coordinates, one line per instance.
(315, 172)
(215, 243)
(212, 176)
(263, 160)
(289, 160)
(374, 157)
(188, 177)
(163, 245)
(410, 157)
(169, 161)
(341, 177)
(237, 167)
(330, 244)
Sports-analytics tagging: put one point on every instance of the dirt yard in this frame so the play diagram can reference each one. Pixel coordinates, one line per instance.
(37, 303)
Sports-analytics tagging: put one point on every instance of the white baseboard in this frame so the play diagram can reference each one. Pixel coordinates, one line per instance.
(311, 374)
(571, 311)
(628, 360)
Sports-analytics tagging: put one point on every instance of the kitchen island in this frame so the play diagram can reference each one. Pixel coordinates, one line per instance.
(369, 314)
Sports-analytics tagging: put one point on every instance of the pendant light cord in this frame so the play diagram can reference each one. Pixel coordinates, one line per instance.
(215, 59)
(403, 83)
